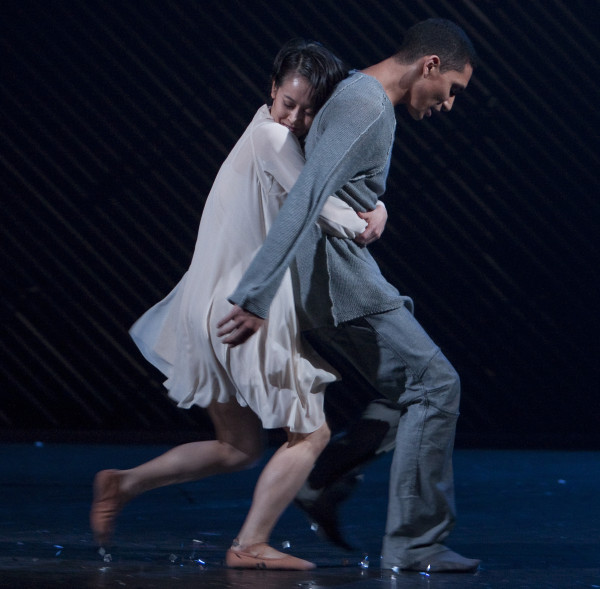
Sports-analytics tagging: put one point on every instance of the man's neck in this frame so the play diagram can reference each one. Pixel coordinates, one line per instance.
(394, 76)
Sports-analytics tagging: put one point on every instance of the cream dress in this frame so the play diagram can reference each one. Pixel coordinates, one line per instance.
(279, 377)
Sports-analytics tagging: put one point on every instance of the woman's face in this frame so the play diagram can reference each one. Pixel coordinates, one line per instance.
(292, 104)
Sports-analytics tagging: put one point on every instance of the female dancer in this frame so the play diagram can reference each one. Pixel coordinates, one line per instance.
(274, 380)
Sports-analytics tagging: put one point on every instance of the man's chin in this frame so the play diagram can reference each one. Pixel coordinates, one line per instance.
(419, 115)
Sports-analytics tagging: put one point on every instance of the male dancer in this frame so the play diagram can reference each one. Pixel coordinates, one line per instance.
(350, 313)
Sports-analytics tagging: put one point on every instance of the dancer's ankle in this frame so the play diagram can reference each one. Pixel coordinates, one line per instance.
(252, 546)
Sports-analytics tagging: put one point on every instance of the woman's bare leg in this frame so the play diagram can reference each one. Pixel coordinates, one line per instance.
(197, 460)
(238, 446)
(277, 485)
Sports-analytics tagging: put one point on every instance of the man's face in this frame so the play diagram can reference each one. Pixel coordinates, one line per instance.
(436, 91)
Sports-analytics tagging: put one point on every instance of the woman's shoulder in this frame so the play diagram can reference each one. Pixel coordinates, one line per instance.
(269, 134)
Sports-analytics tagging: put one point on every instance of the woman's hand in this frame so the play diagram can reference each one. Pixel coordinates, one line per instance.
(376, 220)
(238, 326)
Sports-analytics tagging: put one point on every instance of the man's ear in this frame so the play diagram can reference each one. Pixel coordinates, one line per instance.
(431, 65)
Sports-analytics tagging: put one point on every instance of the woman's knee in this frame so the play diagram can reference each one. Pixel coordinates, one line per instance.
(239, 457)
(239, 433)
(317, 439)
(323, 435)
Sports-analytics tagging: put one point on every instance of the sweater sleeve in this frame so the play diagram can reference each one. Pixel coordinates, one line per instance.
(279, 157)
(344, 150)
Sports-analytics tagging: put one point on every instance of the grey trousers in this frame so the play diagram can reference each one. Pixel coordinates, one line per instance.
(395, 355)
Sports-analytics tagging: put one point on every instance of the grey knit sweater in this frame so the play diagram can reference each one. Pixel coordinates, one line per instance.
(348, 152)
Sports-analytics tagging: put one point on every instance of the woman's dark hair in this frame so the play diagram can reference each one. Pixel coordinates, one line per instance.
(441, 37)
(313, 61)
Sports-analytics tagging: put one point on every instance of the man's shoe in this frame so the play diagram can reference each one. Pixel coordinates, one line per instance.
(447, 561)
(321, 507)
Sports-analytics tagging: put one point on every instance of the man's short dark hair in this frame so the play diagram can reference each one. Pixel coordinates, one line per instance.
(441, 37)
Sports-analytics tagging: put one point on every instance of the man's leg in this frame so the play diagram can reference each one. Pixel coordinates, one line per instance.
(395, 355)
(338, 468)
(364, 427)
(373, 434)
(363, 423)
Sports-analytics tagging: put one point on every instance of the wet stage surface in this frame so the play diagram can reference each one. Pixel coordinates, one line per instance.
(533, 517)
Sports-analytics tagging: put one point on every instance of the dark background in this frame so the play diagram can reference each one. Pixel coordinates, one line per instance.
(117, 115)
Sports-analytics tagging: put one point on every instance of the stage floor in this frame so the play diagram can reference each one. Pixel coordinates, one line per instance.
(533, 517)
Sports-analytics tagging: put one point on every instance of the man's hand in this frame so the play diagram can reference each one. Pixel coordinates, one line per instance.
(376, 220)
(238, 326)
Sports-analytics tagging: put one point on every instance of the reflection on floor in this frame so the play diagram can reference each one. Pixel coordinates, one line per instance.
(533, 517)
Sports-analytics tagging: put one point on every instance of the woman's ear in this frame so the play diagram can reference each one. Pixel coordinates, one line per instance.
(273, 90)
